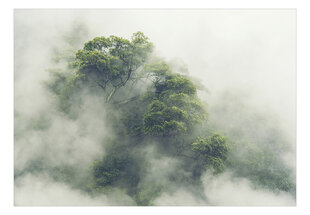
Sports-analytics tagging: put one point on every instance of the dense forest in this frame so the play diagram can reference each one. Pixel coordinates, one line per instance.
(153, 133)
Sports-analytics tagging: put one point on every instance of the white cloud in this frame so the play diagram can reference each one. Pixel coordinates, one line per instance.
(224, 190)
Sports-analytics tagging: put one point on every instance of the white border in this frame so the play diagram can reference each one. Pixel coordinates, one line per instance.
(6, 98)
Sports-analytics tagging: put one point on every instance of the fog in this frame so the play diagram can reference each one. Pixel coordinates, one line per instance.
(246, 59)
(227, 191)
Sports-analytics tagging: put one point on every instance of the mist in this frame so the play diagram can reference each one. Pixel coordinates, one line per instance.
(244, 59)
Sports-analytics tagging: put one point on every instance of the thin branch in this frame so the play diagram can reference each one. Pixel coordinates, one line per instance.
(111, 94)
(126, 101)
(186, 156)
(100, 85)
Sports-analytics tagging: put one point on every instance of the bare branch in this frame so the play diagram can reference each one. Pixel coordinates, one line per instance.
(126, 101)
(111, 94)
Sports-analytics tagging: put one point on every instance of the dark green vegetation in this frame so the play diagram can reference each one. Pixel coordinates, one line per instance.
(161, 140)
(148, 105)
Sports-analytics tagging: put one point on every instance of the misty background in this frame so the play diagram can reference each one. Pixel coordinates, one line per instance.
(246, 59)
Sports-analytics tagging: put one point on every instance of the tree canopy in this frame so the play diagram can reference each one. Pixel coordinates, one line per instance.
(111, 62)
(147, 104)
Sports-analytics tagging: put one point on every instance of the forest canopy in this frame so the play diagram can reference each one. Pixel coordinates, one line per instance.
(153, 111)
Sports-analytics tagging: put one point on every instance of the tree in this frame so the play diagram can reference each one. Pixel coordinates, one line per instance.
(165, 114)
(111, 62)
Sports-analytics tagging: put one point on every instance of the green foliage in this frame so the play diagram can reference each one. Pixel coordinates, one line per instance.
(108, 171)
(110, 63)
(66, 88)
(164, 120)
(212, 151)
(260, 166)
(178, 84)
(146, 194)
(176, 107)
(157, 71)
(168, 115)
(169, 110)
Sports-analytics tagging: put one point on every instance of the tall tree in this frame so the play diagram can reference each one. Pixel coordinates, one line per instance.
(111, 62)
